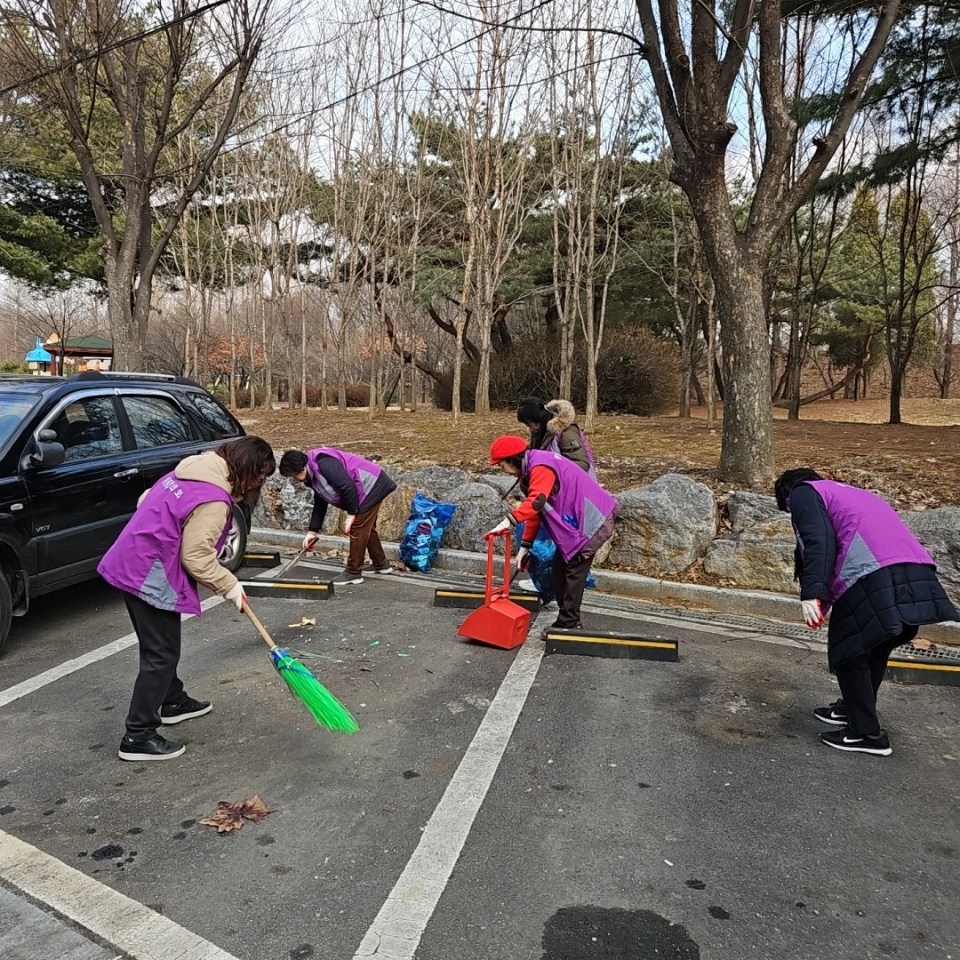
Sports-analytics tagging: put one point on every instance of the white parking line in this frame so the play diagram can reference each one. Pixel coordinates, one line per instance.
(123, 923)
(41, 680)
(396, 930)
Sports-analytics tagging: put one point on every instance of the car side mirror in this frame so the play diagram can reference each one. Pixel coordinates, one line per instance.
(43, 452)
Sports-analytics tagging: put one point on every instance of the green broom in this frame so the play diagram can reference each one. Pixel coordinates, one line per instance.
(322, 704)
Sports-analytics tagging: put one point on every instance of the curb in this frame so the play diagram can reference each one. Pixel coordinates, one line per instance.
(741, 603)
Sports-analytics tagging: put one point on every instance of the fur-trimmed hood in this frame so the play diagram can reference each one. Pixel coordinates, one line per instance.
(564, 414)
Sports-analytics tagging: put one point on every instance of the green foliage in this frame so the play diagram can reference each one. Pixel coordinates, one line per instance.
(48, 231)
(13, 366)
(636, 371)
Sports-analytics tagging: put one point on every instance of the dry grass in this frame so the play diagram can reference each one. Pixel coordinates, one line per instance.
(916, 464)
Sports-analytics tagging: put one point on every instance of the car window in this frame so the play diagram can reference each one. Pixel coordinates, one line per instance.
(215, 422)
(88, 428)
(156, 422)
(13, 410)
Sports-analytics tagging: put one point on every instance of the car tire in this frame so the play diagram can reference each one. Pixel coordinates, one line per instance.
(6, 608)
(231, 555)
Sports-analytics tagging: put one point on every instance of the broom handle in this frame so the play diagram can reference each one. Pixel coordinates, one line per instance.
(261, 629)
(287, 567)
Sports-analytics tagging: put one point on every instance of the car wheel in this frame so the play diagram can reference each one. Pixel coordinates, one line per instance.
(6, 608)
(231, 555)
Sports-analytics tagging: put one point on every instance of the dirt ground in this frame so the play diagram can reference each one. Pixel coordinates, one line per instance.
(915, 464)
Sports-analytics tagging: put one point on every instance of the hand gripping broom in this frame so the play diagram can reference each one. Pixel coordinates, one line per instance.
(322, 704)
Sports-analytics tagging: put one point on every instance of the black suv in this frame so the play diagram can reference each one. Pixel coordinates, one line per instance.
(76, 453)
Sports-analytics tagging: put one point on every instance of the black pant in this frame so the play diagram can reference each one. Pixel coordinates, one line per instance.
(157, 682)
(860, 680)
(569, 581)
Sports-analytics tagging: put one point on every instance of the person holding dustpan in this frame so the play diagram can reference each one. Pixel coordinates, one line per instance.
(170, 545)
(578, 512)
(356, 485)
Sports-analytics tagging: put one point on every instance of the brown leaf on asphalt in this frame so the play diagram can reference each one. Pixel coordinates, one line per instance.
(230, 816)
(304, 622)
(922, 644)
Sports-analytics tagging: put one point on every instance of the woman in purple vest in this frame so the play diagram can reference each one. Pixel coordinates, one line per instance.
(169, 546)
(856, 556)
(356, 485)
(578, 512)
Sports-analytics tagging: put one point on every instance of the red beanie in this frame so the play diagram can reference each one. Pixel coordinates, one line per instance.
(504, 447)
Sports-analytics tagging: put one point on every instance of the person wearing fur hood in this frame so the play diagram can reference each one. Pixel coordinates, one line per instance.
(553, 426)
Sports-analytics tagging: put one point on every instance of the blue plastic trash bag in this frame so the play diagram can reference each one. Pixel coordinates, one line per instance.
(540, 563)
(423, 531)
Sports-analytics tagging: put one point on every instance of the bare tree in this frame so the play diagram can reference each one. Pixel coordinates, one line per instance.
(696, 56)
(126, 83)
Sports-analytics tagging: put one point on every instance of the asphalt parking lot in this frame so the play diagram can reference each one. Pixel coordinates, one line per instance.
(496, 805)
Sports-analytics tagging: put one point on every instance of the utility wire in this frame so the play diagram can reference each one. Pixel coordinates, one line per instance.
(435, 56)
(100, 51)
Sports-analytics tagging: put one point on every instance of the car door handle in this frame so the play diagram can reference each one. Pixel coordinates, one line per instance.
(123, 474)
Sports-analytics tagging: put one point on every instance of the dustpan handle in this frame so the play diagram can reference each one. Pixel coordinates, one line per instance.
(505, 589)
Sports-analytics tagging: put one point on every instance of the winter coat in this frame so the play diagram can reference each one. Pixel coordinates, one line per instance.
(874, 608)
(562, 434)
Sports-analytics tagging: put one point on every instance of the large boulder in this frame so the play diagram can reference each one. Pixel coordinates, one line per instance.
(437, 482)
(757, 559)
(502, 484)
(747, 510)
(479, 508)
(938, 529)
(663, 528)
(758, 552)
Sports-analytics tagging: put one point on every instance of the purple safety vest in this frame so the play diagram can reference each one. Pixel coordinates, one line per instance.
(579, 508)
(362, 472)
(554, 447)
(145, 559)
(869, 534)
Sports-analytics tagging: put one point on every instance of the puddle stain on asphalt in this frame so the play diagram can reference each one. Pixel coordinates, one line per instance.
(109, 851)
(600, 933)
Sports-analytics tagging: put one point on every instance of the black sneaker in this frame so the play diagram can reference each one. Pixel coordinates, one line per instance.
(186, 709)
(846, 739)
(342, 579)
(383, 571)
(836, 714)
(156, 748)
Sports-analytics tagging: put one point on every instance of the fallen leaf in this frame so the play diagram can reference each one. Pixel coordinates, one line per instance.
(947, 756)
(304, 622)
(333, 553)
(922, 644)
(230, 816)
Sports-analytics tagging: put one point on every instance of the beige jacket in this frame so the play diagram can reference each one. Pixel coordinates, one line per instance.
(198, 546)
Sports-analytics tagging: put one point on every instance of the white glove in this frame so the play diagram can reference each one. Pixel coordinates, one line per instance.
(349, 522)
(812, 614)
(502, 525)
(310, 539)
(236, 596)
(522, 554)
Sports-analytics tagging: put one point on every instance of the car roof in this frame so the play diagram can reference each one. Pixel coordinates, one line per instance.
(31, 383)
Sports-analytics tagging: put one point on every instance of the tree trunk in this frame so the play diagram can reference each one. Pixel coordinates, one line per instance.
(746, 453)
(896, 392)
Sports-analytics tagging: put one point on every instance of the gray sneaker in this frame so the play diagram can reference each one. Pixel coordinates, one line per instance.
(383, 571)
(346, 578)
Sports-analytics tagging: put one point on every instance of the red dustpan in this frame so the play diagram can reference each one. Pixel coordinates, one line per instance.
(499, 622)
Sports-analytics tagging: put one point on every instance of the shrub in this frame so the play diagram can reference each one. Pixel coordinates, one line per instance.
(358, 395)
(637, 373)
